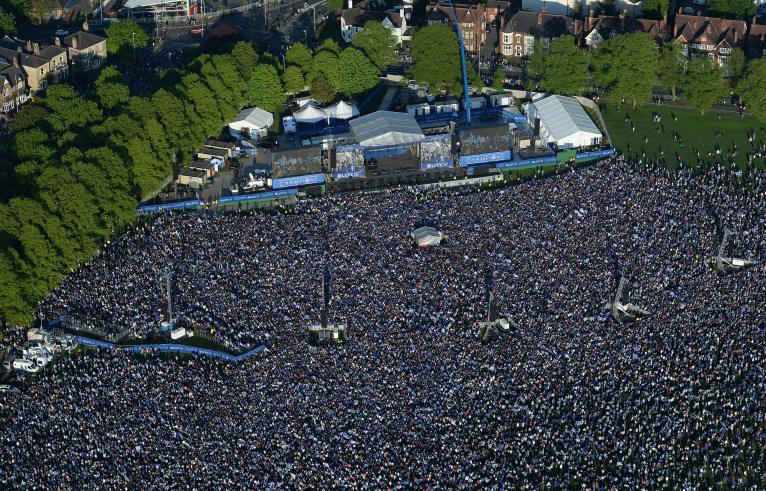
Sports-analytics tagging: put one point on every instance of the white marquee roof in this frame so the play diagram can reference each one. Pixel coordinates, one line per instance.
(386, 128)
(255, 116)
(342, 110)
(564, 116)
(309, 114)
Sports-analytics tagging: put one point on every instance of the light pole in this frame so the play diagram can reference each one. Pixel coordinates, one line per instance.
(134, 44)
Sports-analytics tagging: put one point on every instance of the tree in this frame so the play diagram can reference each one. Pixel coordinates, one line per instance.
(536, 65)
(68, 109)
(655, 9)
(327, 63)
(330, 45)
(28, 115)
(628, 66)
(299, 55)
(672, 65)
(436, 57)
(731, 8)
(293, 79)
(321, 89)
(703, 83)
(498, 80)
(357, 72)
(750, 87)
(335, 5)
(110, 90)
(474, 80)
(266, 89)
(735, 65)
(7, 23)
(565, 68)
(123, 39)
(245, 57)
(377, 42)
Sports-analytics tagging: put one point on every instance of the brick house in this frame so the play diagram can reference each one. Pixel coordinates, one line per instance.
(756, 39)
(520, 32)
(599, 29)
(709, 36)
(353, 18)
(472, 19)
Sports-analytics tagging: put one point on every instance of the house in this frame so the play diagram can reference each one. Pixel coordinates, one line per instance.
(472, 19)
(213, 153)
(709, 36)
(40, 65)
(756, 39)
(562, 121)
(86, 50)
(600, 28)
(496, 9)
(13, 85)
(520, 32)
(208, 167)
(353, 18)
(587, 7)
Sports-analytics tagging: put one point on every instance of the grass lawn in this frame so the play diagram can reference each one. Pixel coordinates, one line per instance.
(696, 132)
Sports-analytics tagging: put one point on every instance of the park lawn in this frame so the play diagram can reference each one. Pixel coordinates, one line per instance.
(697, 131)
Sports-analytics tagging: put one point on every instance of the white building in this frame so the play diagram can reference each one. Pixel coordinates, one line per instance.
(253, 121)
(566, 7)
(563, 122)
(352, 19)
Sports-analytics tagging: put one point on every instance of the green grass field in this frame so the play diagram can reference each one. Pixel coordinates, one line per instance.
(696, 132)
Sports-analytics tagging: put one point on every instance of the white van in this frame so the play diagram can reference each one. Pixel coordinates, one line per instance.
(23, 365)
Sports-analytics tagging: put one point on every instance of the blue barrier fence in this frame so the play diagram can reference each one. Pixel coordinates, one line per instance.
(181, 205)
(172, 348)
(268, 195)
(594, 155)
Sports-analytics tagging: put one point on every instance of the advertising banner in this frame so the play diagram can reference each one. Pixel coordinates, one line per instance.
(284, 193)
(298, 181)
(484, 158)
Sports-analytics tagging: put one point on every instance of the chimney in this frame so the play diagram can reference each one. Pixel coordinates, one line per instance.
(85, 26)
(74, 42)
(699, 13)
(736, 35)
(540, 18)
(665, 19)
(680, 10)
(29, 46)
(36, 48)
(57, 41)
(350, 4)
(16, 61)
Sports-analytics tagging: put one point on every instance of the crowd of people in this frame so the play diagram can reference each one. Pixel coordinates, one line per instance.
(568, 399)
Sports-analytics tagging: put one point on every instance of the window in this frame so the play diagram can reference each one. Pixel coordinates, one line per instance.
(595, 141)
(725, 51)
(518, 50)
(518, 38)
(507, 50)
(506, 38)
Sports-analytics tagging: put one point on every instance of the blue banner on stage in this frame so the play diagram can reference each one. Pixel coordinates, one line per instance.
(383, 152)
(595, 155)
(172, 348)
(484, 158)
(437, 164)
(526, 163)
(298, 181)
(283, 193)
(349, 173)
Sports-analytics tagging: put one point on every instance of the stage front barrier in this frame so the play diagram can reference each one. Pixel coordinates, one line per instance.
(171, 348)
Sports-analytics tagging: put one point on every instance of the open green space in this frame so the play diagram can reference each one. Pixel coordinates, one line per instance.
(697, 133)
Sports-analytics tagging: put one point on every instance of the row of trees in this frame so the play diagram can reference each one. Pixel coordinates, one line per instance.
(630, 66)
(81, 163)
(436, 57)
(331, 71)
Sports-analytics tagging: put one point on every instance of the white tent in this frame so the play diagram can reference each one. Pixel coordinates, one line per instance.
(563, 121)
(309, 114)
(342, 110)
(252, 120)
(386, 128)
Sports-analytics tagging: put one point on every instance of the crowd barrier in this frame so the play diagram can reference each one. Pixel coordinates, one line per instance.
(181, 205)
(172, 348)
(268, 195)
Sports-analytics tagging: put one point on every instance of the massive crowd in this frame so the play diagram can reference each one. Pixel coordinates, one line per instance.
(413, 400)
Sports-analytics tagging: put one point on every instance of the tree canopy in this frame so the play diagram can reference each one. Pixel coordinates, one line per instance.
(124, 39)
(498, 80)
(321, 89)
(703, 83)
(628, 66)
(672, 66)
(751, 87)
(266, 89)
(357, 73)
(435, 53)
(293, 79)
(111, 91)
(377, 42)
(299, 55)
(565, 68)
(326, 62)
(731, 8)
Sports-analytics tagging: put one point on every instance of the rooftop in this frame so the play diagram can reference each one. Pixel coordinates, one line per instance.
(386, 128)
(563, 116)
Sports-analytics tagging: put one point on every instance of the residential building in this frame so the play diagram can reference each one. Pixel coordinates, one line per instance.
(472, 19)
(709, 36)
(352, 19)
(520, 32)
(496, 9)
(87, 51)
(587, 7)
(756, 39)
(40, 65)
(13, 85)
(600, 28)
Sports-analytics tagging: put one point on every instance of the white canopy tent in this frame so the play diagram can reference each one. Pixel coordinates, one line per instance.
(309, 114)
(253, 120)
(342, 110)
(386, 128)
(563, 121)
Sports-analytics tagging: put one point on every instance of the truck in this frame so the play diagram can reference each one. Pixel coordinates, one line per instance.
(177, 333)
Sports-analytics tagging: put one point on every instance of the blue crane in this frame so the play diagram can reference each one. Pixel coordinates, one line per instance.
(462, 60)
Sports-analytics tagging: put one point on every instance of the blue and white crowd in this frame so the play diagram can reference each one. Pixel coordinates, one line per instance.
(570, 399)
